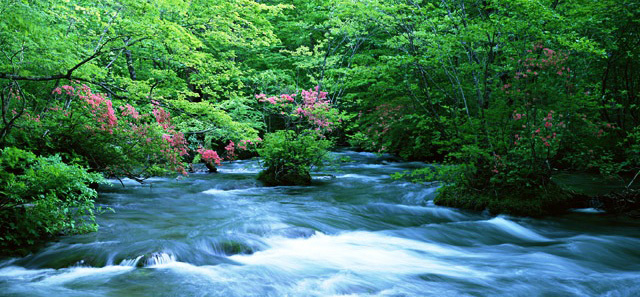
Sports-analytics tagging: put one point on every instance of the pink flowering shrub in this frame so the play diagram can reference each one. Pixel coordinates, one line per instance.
(537, 120)
(299, 143)
(210, 156)
(245, 146)
(311, 110)
(534, 128)
(212, 159)
(554, 123)
(119, 140)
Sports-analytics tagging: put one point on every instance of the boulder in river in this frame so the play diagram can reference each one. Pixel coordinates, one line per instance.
(272, 177)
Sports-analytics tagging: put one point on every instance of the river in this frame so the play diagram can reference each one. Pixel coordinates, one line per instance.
(354, 232)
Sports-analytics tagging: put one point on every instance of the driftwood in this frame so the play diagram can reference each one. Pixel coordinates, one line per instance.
(626, 202)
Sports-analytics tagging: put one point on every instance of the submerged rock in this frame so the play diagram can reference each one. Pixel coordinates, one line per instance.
(154, 259)
(229, 248)
(296, 232)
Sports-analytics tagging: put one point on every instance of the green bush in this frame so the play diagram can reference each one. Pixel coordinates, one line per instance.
(288, 157)
(42, 197)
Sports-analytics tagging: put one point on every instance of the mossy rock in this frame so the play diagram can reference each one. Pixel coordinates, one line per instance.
(229, 248)
(212, 168)
(551, 201)
(272, 177)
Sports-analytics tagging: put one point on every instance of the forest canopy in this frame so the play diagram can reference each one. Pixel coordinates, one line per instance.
(503, 94)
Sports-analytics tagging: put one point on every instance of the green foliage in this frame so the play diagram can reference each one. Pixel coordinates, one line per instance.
(503, 92)
(120, 141)
(207, 125)
(42, 197)
(289, 157)
(300, 143)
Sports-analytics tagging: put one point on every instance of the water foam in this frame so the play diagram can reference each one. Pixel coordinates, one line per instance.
(362, 177)
(361, 252)
(131, 262)
(588, 210)
(74, 273)
(517, 230)
(160, 259)
(221, 192)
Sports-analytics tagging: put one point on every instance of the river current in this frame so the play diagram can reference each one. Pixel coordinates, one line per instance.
(353, 232)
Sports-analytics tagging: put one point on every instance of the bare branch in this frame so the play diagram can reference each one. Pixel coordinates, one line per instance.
(106, 29)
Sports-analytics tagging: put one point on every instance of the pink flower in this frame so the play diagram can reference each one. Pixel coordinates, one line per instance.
(68, 89)
(130, 110)
(163, 118)
(231, 149)
(548, 52)
(209, 156)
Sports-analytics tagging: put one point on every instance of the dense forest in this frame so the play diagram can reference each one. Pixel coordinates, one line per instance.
(500, 94)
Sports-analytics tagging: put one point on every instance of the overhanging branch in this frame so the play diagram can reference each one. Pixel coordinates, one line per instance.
(69, 73)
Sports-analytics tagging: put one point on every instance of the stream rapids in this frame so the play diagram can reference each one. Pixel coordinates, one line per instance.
(353, 232)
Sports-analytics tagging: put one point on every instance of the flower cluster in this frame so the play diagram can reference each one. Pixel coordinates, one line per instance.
(313, 107)
(159, 141)
(544, 132)
(100, 107)
(383, 118)
(544, 60)
(210, 156)
(177, 143)
(282, 100)
(243, 146)
(129, 110)
(313, 110)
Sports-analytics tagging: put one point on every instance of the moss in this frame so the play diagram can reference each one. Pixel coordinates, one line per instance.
(232, 248)
(552, 200)
(272, 177)
(211, 167)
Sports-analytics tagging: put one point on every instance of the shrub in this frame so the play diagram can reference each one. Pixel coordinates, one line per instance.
(117, 140)
(289, 157)
(42, 197)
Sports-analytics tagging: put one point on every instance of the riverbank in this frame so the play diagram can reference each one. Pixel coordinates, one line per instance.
(353, 231)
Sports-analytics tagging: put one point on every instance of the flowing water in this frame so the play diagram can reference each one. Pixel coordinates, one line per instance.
(354, 232)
